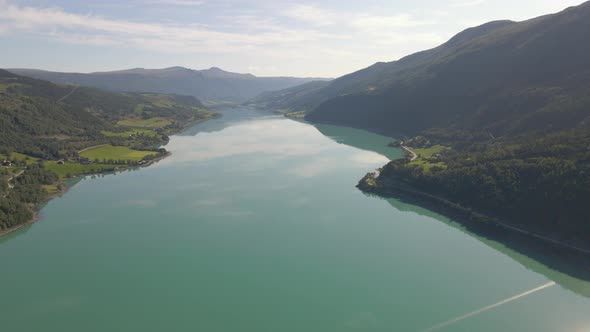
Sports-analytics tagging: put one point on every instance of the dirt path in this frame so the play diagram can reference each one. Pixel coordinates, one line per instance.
(92, 147)
(414, 155)
(68, 95)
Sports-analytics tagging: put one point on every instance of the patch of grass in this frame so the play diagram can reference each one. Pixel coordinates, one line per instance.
(127, 133)
(20, 156)
(425, 156)
(203, 113)
(157, 122)
(426, 165)
(74, 169)
(109, 152)
(431, 151)
(51, 188)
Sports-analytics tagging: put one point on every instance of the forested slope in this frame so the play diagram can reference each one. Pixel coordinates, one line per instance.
(43, 126)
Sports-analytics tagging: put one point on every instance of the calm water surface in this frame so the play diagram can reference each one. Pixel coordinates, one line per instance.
(254, 224)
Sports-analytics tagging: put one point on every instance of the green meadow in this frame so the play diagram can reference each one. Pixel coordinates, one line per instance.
(157, 122)
(110, 152)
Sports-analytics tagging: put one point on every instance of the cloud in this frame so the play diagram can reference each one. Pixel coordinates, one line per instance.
(379, 23)
(311, 14)
(91, 29)
(468, 3)
(265, 36)
(182, 3)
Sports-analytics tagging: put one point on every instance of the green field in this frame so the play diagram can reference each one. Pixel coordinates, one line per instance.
(431, 151)
(19, 156)
(425, 154)
(109, 152)
(128, 133)
(74, 169)
(51, 188)
(157, 122)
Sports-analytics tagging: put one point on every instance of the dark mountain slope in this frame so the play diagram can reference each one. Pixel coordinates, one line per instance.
(289, 99)
(503, 123)
(368, 80)
(502, 77)
(212, 84)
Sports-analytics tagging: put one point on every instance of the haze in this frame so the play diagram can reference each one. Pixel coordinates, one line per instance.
(267, 38)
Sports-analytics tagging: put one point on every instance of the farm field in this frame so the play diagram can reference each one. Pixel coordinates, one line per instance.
(127, 133)
(157, 122)
(110, 152)
(73, 169)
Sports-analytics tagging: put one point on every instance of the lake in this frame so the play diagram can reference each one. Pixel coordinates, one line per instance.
(254, 224)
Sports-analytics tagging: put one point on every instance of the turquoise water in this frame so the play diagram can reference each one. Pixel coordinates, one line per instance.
(254, 224)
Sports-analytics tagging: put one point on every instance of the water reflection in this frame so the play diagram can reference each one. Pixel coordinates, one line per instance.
(361, 139)
(227, 118)
(570, 270)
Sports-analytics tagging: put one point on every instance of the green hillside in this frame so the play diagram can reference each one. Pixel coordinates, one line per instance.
(44, 126)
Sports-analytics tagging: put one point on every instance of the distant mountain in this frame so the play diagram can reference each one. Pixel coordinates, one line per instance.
(212, 84)
(295, 98)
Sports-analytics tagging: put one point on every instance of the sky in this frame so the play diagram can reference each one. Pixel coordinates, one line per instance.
(323, 38)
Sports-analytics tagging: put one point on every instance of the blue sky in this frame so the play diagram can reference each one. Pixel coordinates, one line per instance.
(326, 38)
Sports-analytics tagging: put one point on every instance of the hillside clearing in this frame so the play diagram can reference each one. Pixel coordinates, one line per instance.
(110, 152)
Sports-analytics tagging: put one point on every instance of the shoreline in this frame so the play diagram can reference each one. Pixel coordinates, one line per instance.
(565, 257)
(35, 209)
(460, 214)
(454, 210)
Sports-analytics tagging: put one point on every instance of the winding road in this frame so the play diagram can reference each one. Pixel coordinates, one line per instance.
(414, 155)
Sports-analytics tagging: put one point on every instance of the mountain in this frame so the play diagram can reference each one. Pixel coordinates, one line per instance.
(294, 98)
(498, 118)
(213, 84)
(503, 77)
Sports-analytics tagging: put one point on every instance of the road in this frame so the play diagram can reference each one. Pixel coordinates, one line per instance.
(10, 186)
(414, 155)
(92, 147)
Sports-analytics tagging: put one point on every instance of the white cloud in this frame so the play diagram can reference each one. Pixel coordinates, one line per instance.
(311, 14)
(182, 3)
(336, 41)
(373, 23)
(90, 29)
(468, 3)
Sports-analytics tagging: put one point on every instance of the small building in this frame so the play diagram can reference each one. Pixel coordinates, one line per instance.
(85, 161)
(6, 163)
(60, 162)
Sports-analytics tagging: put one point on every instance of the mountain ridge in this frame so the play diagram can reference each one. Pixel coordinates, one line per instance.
(212, 84)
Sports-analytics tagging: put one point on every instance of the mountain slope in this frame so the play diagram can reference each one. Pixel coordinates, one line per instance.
(44, 127)
(212, 84)
(502, 77)
(45, 119)
(288, 99)
(499, 119)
